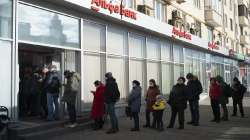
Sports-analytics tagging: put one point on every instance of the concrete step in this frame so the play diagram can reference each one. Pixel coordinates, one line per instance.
(23, 130)
(52, 132)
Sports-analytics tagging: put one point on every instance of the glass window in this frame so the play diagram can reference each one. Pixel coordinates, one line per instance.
(116, 65)
(5, 74)
(129, 3)
(153, 72)
(93, 37)
(136, 72)
(116, 41)
(178, 71)
(178, 53)
(153, 49)
(6, 18)
(165, 51)
(136, 45)
(166, 78)
(47, 27)
(92, 72)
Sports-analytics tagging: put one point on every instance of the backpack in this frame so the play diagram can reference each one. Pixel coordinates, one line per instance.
(116, 95)
(54, 85)
(243, 89)
(228, 91)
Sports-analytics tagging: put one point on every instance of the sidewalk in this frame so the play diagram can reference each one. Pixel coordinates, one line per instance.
(236, 129)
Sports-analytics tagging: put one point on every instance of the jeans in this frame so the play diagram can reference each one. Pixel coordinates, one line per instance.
(135, 116)
(72, 112)
(239, 103)
(53, 106)
(181, 117)
(148, 120)
(194, 109)
(158, 123)
(112, 115)
(216, 109)
(225, 111)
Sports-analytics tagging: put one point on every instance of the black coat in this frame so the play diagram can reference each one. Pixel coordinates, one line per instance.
(111, 93)
(178, 96)
(238, 91)
(194, 89)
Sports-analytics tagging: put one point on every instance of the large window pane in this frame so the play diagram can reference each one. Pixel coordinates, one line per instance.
(117, 67)
(178, 71)
(166, 78)
(93, 37)
(153, 49)
(153, 72)
(116, 41)
(136, 72)
(136, 45)
(92, 72)
(42, 26)
(5, 74)
(165, 51)
(5, 18)
(178, 53)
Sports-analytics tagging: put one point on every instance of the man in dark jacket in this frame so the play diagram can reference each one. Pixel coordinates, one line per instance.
(178, 102)
(52, 86)
(194, 90)
(71, 89)
(238, 94)
(223, 99)
(111, 96)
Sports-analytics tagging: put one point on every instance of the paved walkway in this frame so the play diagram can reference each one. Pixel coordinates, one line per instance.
(236, 129)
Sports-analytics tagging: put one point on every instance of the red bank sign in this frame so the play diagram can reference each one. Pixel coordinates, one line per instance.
(213, 46)
(180, 33)
(117, 9)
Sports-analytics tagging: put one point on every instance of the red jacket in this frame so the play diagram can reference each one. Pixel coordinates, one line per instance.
(98, 107)
(215, 91)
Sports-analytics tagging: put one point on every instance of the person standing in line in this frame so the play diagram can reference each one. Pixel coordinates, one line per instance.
(134, 102)
(151, 94)
(178, 102)
(215, 93)
(45, 72)
(238, 95)
(98, 107)
(194, 90)
(71, 89)
(159, 108)
(53, 85)
(226, 93)
(111, 96)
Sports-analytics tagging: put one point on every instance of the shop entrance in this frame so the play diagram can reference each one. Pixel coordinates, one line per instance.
(32, 62)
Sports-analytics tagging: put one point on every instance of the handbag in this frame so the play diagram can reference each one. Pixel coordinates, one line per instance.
(128, 111)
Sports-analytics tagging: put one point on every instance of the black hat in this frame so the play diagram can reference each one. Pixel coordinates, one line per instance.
(136, 82)
(108, 75)
(189, 76)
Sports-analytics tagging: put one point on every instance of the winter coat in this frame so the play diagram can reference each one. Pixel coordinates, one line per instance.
(111, 91)
(151, 97)
(194, 89)
(134, 99)
(159, 105)
(51, 75)
(178, 96)
(71, 89)
(98, 107)
(215, 91)
(238, 91)
(224, 96)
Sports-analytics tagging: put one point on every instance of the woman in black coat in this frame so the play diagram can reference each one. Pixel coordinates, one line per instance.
(178, 102)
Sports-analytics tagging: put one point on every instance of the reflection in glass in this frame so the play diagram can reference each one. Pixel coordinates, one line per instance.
(47, 27)
(5, 18)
